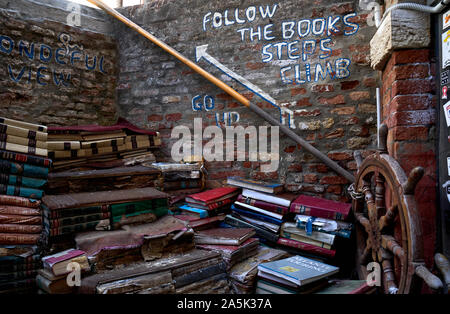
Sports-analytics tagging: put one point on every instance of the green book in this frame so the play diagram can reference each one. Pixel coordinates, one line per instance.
(161, 211)
(131, 207)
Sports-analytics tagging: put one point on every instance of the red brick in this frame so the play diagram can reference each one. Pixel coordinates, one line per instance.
(310, 178)
(304, 102)
(320, 168)
(173, 116)
(411, 71)
(295, 168)
(410, 56)
(289, 149)
(335, 189)
(344, 110)
(265, 175)
(341, 9)
(336, 100)
(406, 87)
(306, 113)
(340, 155)
(360, 95)
(254, 66)
(298, 91)
(322, 88)
(404, 133)
(349, 85)
(336, 133)
(369, 82)
(155, 117)
(333, 180)
(418, 117)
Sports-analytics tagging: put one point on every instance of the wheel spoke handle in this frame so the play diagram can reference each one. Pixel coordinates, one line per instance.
(443, 265)
(430, 279)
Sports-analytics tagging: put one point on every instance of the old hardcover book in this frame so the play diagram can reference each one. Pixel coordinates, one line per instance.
(19, 210)
(266, 187)
(103, 224)
(260, 232)
(155, 140)
(19, 201)
(93, 136)
(212, 196)
(233, 253)
(200, 274)
(24, 141)
(255, 215)
(282, 210)
(224, 236)
(133, 285)
(205, 223)
(71, 212)
(24, 158)
(58, 262)
(167, 167)
(119, 141)
(23, 132)
(306, 247)
(18, 238)
(11, 228)
(182, 184)
(291, 228)
(58, 286)
(23, 124)
(26, 170)
(298, 270)
(23, 149)
(86, 199)
(258, 210)
(19, 219)
(197, 212)
(217, 284)
(61, 222)
(296, 237)
(10, 179)
(319, 207)
(126, 208)
(63, 145)
(280, 199)
(141, 218)
(21, 191)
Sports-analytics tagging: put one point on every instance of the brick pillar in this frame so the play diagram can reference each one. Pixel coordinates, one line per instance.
(409, 112)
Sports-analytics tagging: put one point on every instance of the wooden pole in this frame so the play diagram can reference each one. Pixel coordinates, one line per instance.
(321, 156)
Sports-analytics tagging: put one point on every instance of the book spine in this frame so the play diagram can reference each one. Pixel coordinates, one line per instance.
(61, 154)
(20, 191)
(306, 247)
(23, 220)
(274, 208)
(316, 212)
(63, 145)
(73, 228)
(22, 141)
(18, 238)
(23, 124)
(19, 201)
(23, 158)
(17, 210)
(23, 169)
(128, 208)
(10, 179)
(17, 275)
(71, 212)
(8, 228)
(303, 239)
(23, 132)
(158, 212)
(182, 184)
(259, 231)
(61, 222)
(23, 149)
(19, 267)
(200, 274)
(220, 203)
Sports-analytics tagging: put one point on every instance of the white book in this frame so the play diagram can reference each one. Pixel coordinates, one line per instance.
(272, 227)
(259, 210)
(315, 235)
(266, 197)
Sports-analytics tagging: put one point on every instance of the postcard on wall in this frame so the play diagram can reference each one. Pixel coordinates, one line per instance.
(446, 20)
(447, 113)
(446, 49)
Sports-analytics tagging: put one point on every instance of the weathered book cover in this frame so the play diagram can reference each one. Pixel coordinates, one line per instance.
(167, 167)
(92, 225)
(206, 223)
(155, 140)
(158, 212)
(17, 275)
(180, 175)
(16, 228)
(298, 269)
(228, 251)
(23, 132)
(10, 179)
(61, 222)
(71, 212)
(23, 149)
(20, 219)
(23, 124)
(18, 238)
(18, 210)
(291, 228)
(26, 170)
(266, 187)
(24, 158)
(212, 196)
(119, 141)
(297, 237)
(133, 285)
(53, 287)
(306, 247)
(282, 210)
(19, 201)
(21, 191)
(260, 232)
(199, 275)
(63, 145)
(86, 199)
(319, 207)
(22, 141)
(224, 236)
(217, 284)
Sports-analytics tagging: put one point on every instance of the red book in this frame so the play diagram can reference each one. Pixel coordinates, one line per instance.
(274, 208)
(306, 247)
(320, 207)
(51, 260)
(212, 196)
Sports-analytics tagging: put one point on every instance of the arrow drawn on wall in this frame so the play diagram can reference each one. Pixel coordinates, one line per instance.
(200, 52)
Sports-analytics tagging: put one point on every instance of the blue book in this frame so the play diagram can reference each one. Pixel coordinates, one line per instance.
(23, 169)
(255, 215)
(11, 179)
(197, 211)
(20, 191)
(296, 270)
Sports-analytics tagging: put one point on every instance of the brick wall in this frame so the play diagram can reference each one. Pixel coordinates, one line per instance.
(336, 115)
(409, 103)
(53, 73)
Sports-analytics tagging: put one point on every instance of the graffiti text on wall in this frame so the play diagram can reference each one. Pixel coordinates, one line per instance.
(67, 54)
(303, 48)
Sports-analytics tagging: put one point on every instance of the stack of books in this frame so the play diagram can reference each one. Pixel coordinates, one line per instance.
(317, 224)
(18, 268)
(23, 162)
(293, 275)
(234, 244)
(121, 144)
(196, 271)
(243, 275)
(53, 277)
(209, 203)
(260, 207)
(67, 214)
(181, 178)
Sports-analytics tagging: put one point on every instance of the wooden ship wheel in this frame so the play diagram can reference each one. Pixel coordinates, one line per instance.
(387, 223)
